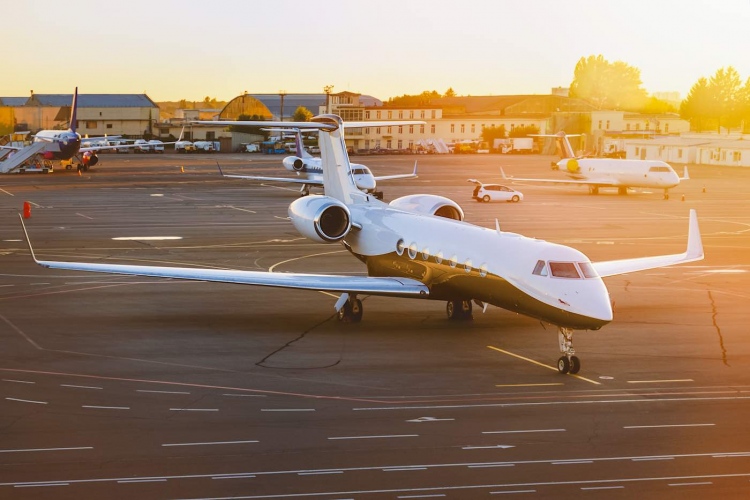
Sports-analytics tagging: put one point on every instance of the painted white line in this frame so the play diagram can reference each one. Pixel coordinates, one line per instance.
(374, 437)
(660, 381)
(48, 449)
(321, 473)
(242, 209)
(126, 481)
(208, 443)
(146, 238)
(12, 241)
(441, 495)
(27, 401)
(665, 425)
(6, 192)
(516, 491)
(235, 476)
(404, 469)
(162, 392)
(287, 409)
(85, 216)
(156, 195)
(490, 465)
(523, 432)
(603, 488)
(81, 386)
(430, 419)
(40, 485)
(245, 395)
(106, 407)
(690, 484)
(18, 381)
(501, 446)
(573, 462)
(650, 459)
(730, 455)
(193, 409)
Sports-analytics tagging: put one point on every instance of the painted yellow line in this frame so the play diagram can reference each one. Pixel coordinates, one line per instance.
(542, 364)
(659, 381)
(526, 385)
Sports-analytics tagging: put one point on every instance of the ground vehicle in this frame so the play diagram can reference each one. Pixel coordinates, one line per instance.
(249, 148)
(204, 146)
(142, 146)
(494, 192)
(516, 145)
(156, 146)
(184, 147)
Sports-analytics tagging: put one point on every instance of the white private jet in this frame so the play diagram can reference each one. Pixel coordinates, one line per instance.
(309, 169)
(607, 172)
(419, 246)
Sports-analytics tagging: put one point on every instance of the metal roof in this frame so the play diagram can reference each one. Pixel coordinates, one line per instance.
(309, 101)
(13, 101)
(93, 100)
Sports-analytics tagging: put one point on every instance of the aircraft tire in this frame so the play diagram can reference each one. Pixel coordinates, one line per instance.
(575, 365)
(563, 365)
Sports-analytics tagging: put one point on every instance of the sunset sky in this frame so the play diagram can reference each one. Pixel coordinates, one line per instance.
(188, 49)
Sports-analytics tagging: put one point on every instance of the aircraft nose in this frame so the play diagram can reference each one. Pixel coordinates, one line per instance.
(365, 183)
(598, 305)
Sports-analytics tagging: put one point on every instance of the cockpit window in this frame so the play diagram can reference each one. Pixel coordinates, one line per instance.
(359, 171)
(588, 270)
(564, 270)
(659, 169)
(540, 269)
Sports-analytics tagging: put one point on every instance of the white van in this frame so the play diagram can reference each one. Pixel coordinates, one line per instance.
(204, 146)
(156, 146)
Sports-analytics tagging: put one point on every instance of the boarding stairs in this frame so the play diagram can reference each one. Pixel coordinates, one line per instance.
(21, 156)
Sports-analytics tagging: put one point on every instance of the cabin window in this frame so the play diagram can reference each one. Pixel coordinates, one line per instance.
(439, 257)
(564, 270)
(540, 269)
(453, 262)
(659, 169)
(588, 270)
(400, 246)
(412, 251)
(483, 270)
(425, 253)
(467, 266)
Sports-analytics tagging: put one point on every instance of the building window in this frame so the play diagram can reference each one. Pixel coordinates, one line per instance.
(367, 143)
(400, 129)
(433, 114)
(210, 136)
(627, 126)
(411, 129)
(421, 129)
(666, 128)
(377, 130)
(109, 125)
(389, 130)
(607, 124)
(472, 128)
(400, 115)
(411, 114)
(367, 115)
(390, 115)
(453, 128)
(648, 125)
(377, 115)
(411, 144)
(400, 144)
(637, 126)
(679, 153)
(736, 155)
(463, 128)
(432, 129)
(388, 144)
(90, 125)
(600, 124)
(421, 114)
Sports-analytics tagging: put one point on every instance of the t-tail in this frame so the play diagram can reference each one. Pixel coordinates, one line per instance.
(562, 143)
(337, 172)
(74, 112)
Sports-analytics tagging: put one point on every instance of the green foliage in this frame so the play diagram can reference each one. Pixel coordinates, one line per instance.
(450, 92)
(414, 100)
(524, 131)
(608, 85)
(302, 114)
(489, 134)
(721, 101)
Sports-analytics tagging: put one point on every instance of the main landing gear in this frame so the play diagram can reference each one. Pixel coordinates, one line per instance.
(568, 362)
(459, 310)
(666, 194)
(304, 190)
(351, 312)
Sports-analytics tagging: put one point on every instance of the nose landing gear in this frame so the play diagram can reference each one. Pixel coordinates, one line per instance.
(568, 362)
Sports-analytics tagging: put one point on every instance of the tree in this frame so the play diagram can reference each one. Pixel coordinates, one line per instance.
(725, 88)
(489, 134)
(654, 105)
(450, 92)
(608, 85)
(698, 106)
(414, 100)
(524, 131)
(302, 114)
(744, 106)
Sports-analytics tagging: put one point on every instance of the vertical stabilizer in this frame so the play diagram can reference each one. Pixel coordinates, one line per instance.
(566, 150)
(338, 181)
(301, 151)
(74, 112)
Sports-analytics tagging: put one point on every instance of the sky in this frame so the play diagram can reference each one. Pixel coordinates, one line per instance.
(190, 49)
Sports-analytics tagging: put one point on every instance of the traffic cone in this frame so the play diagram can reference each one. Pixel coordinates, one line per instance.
(182, 170)
(26, 209)
(79, 172)
(683, 197)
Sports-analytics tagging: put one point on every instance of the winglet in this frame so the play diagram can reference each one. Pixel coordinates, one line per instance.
(28, 241)
(503, 173)
(415, 168)
(695, 242)
(497, 226)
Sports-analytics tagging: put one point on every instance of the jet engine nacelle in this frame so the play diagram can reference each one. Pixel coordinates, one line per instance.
(293, 163)
(429, 204)
(320, 218)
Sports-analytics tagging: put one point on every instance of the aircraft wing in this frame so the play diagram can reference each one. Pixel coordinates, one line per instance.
(694, 252)
(589, 182)
(295, 180)
(413, 175)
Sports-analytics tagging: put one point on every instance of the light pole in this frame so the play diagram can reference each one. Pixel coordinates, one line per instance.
(327, 89)
(282, 93)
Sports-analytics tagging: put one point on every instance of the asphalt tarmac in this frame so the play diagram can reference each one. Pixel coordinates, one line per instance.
(124, 387)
